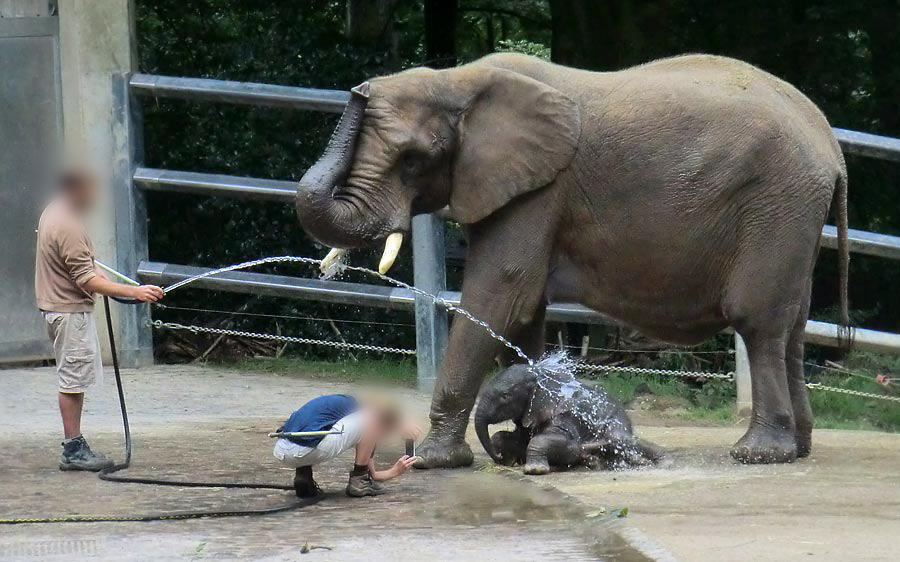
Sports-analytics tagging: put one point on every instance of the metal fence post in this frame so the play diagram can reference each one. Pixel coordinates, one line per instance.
(742, 378)
(134, 338)
(430, 274)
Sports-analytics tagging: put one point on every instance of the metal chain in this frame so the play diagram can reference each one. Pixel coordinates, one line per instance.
(817, 386)
(451, 308)
(586, 368)
(286, 339)
(161, 306)
(582, 367)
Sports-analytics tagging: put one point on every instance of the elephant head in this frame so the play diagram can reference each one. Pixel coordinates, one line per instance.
(510, 395)
(472, 137)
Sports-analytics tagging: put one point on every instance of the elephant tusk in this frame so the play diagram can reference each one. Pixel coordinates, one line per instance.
(335, 256)
(391, 249)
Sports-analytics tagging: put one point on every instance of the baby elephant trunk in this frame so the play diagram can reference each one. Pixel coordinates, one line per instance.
(482, 420)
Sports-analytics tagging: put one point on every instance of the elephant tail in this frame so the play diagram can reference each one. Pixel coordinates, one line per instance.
(839, 204)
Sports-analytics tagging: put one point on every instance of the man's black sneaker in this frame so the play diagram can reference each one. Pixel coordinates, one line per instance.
(304, 485)
(77, 455)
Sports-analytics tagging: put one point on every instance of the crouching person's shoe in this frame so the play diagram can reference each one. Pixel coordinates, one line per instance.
(77, 455)
(363, 485)
(304, 485)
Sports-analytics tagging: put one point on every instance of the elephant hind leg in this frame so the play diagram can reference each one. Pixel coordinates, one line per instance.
(766, 297)
(770, 437)
(803, 415)
(649, 452)
(633, 453)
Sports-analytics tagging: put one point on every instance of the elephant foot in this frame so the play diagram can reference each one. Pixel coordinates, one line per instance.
(443, 453)
(765, 445)
(803, 438)
(536, 467)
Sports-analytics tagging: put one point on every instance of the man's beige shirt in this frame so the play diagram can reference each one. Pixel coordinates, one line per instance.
(65, 261)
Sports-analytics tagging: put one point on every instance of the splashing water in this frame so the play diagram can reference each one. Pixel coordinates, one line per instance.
(555, 371)
(556, 377)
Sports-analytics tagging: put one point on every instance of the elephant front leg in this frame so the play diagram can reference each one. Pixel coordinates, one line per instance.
(470, 355)
(504, 286)
(546, 449)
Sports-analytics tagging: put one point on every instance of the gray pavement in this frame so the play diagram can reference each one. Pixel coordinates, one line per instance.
(841, 504)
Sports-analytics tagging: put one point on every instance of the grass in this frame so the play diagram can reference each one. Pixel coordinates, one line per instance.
(842, 411)
(713, 401)
(401, 372)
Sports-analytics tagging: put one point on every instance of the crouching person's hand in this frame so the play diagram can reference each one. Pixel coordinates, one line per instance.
(402, 466)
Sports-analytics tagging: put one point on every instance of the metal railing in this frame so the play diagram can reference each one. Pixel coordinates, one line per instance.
(428, 245)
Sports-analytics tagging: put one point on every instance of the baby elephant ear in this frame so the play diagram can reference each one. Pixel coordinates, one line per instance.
(516, 135)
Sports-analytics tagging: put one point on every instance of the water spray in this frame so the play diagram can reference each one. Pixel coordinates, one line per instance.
(555, 372)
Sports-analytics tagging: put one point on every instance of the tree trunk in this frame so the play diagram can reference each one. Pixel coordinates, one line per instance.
(369, 21)
(607, 35)
(440, 33)
(884, 44)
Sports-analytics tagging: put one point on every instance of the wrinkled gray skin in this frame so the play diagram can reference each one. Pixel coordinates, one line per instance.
(681, 197)
(588, 428)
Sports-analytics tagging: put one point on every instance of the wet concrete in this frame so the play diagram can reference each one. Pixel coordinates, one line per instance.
(841, 504)
(184, 425)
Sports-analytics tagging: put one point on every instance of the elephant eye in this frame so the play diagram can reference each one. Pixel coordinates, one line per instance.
(412, 161)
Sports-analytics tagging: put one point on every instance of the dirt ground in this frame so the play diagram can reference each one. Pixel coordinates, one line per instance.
(843, 503)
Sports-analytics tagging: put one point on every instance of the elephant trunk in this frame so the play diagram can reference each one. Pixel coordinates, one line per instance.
(327, 211)
(482, 420)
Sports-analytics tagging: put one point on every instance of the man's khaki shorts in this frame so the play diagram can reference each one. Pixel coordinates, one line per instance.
(76, 348)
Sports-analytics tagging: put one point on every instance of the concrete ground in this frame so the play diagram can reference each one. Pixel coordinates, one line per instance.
(843, 503)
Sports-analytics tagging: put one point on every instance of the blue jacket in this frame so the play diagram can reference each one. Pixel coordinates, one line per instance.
(319, 414)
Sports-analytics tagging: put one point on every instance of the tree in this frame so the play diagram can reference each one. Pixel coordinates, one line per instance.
(440, 33)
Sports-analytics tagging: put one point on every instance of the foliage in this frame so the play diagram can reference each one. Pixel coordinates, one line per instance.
(525, 47)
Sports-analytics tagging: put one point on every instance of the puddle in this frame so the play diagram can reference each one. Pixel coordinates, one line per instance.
(479, 499)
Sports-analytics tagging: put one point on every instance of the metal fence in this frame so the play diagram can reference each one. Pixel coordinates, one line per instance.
(428, 230)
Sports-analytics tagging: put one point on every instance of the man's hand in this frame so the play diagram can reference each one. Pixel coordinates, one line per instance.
(147, 293)
(403, 465)
(143, 293)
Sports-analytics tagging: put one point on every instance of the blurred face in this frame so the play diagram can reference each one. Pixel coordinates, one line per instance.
(80, 189)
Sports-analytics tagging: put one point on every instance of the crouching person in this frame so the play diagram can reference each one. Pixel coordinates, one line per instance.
(355, 425)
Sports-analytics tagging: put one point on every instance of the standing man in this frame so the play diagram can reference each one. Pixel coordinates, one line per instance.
(65, 281)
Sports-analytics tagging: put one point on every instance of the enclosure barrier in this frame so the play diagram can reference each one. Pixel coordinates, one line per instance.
(428, 230)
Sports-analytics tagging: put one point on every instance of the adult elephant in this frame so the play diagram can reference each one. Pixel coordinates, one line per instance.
(681, 197)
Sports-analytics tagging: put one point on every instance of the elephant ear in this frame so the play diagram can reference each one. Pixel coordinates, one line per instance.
(540, 410)
(516, 134)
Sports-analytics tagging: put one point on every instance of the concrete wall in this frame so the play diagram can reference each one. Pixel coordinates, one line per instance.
(96, 43)
(26, 8)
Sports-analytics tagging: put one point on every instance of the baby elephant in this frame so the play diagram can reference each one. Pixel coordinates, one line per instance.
(560, 422)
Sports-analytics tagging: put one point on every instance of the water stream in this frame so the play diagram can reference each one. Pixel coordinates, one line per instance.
(555, 371)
